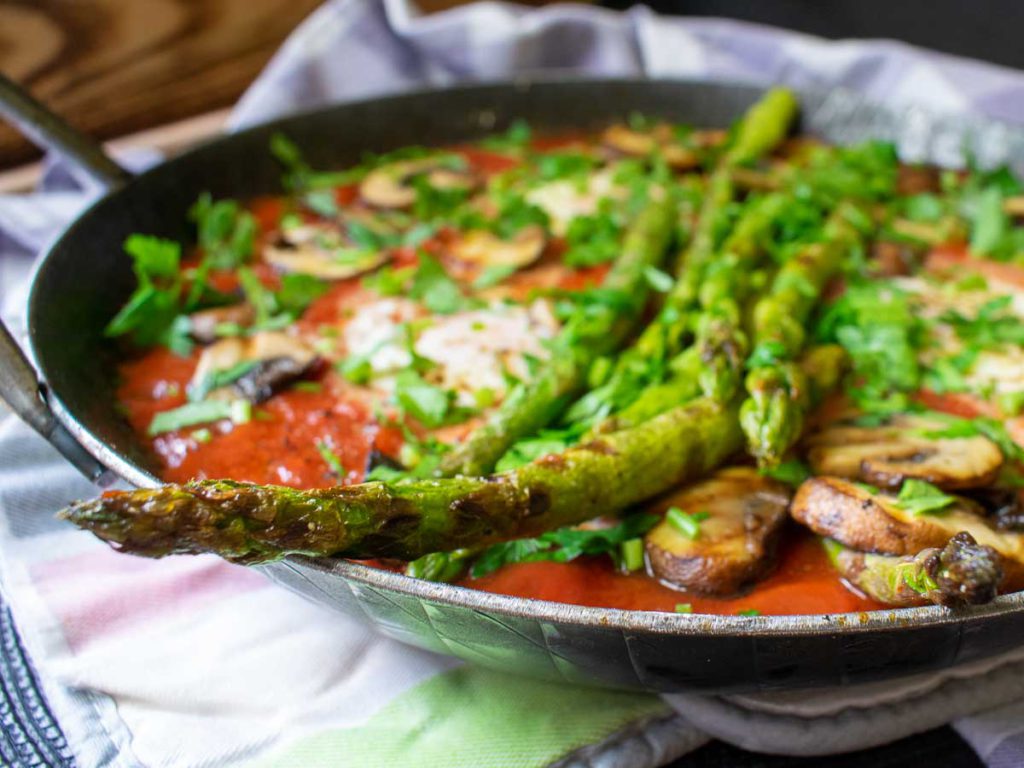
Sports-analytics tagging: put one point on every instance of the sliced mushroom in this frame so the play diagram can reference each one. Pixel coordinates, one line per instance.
(874, 522)
(278, 359)
(1014, 206)
(203, 324)
(917, 179)
(961, 573)
(1005, 506)
(389, 186)
(321, 251)
(625, 141)
(734, 546)
(893, 259)
(889, 454)
(488, 250)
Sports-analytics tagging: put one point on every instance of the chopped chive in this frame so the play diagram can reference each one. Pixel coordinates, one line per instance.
(748, 612)
(330, 458)
(202, 435)
(308, 386)
(684, 607)
(191, 414)
(632, 553)
(686, 523)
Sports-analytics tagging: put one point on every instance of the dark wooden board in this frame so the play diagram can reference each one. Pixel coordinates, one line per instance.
(114, 67)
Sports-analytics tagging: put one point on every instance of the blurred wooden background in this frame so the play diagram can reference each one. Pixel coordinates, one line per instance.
(116, 67)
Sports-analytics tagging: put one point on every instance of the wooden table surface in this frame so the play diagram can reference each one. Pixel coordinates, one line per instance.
(116, 67)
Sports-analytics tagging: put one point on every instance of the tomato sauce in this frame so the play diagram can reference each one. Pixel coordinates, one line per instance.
(803, 583)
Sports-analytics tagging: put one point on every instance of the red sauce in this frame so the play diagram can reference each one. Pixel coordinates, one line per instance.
(804, 582)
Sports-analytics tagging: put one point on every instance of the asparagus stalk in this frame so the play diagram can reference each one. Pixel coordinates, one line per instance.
(249, 523)
(961, 573)
(533, 405)
(773, 415)
(763, 126)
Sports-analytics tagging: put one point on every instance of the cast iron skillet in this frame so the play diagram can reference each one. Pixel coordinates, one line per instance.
(85, 277)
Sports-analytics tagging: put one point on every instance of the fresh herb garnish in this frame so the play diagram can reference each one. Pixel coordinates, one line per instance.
(659, 281)
(331, 459)
(545, 443)
(515, 138)
(592, 239)
(425, 402)
(150, 313)
(563, 545)
(631, 555)
(434, 288)
(190, 414)
(492, 275)
(919, 497)
(226, 231)
(686, 523)
(276, 309)
(792, 472)
(220, 378)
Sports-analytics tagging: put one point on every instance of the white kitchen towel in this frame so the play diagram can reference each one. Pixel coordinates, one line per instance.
(194, 662)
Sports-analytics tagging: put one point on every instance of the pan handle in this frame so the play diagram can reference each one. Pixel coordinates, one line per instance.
(48, 131)
(19, 386)
(21, 390)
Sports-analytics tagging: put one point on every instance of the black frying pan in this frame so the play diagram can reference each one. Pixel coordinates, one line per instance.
(85, 277)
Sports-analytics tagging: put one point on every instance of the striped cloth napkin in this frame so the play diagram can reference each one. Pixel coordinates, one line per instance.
(194, 662)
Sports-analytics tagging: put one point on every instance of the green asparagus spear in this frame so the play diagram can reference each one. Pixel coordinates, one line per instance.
(534, 404)
(961, 573)
(766, 124)
(763, 126)
(773, 415)
(249, 523)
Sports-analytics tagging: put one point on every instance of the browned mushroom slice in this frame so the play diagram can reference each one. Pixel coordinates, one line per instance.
(860, 519)
(204, 324)
(319, 250)
(1014, 206)
(488, 250)
(889, 454)
(962, 572)
(917, 179)
(390, 185)
(730, 548)
(626, 141)
(254, 367)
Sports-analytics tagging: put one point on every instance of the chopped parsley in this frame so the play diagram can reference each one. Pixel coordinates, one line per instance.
(150, 314)
(226, 231)
(563, 545)
(516, 138)
(919, 497)
(592, 239)
(433, 287)
(882, 331)
(792, 472)
(425, 402)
